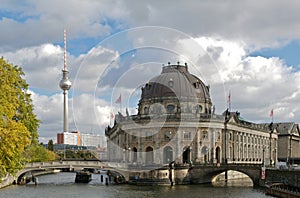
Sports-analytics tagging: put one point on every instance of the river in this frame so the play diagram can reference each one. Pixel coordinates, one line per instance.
(62, 185)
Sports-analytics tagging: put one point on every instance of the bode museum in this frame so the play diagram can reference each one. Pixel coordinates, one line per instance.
(176, 124)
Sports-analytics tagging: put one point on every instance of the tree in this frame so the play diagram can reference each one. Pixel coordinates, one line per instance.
(50, 145)
(18, 123)
(38, 153)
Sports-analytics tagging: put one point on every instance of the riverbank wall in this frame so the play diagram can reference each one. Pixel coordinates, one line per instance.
(289, 177)
(7, 181)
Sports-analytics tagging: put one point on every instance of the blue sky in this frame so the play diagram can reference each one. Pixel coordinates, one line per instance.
(290, 53)
(252, 52)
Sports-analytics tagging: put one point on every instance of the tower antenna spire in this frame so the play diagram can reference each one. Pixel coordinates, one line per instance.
(65, 49)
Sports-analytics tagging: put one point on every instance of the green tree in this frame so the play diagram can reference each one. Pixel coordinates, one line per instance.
(50, 145)
(18, 124)
(38, 153)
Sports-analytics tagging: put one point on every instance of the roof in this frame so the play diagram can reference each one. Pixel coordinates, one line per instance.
(176, 81)
(287, 128)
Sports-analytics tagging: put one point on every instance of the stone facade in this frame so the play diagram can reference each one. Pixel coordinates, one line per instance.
(288, 142)
(176, 122)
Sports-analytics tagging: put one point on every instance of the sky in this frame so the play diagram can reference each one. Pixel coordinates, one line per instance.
(245, 48)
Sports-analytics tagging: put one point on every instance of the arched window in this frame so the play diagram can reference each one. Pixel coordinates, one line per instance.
(134, 157)
(168, 155)
(149, 155)
(204, 152)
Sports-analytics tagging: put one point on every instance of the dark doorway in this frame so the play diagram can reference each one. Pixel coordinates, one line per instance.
(186, 156)
(134, 158)
(218, 154)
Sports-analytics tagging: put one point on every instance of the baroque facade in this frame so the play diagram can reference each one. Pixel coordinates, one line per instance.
(176, 122)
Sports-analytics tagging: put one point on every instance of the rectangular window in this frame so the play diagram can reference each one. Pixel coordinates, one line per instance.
(148, 135)
(133, 137)
(187, 135)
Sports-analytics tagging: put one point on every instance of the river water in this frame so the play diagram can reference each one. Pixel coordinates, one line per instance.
(62, 185)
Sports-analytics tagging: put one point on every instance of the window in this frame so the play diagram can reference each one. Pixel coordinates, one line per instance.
(148, 135)
(168, 135)
(170, 108)
(171, 82)
(187, 135)
(148, 86)
(199, 108)
(218, 136)
(146, 110)
(204, 135)
(230, 136)
(196, 84)
(133, 137)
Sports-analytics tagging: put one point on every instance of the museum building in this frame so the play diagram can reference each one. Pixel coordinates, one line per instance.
(176, 122)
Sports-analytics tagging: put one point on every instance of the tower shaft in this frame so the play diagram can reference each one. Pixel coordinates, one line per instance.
(66, 114)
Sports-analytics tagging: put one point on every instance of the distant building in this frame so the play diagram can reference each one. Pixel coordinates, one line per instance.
(72, 138)
(81, 139)
(288, 142)
(95, 140)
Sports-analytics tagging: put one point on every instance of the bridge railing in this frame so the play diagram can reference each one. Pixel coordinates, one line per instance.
(63, 163)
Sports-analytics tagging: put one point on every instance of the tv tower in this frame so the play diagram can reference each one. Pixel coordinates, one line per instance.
(65, 84)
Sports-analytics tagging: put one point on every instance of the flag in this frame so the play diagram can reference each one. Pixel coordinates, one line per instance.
(271, 113)
(118, 101)
(112, 116)
(229, 103)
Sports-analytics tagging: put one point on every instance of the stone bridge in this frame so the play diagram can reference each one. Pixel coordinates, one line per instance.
(195, 174)
(73, 165)
(206, 173)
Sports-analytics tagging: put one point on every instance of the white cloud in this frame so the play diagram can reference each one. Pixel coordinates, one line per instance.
(257, 24)
(227, 32)
(257, 84)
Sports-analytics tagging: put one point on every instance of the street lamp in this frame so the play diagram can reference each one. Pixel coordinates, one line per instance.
(271, 131)
(225, 133)
(124, 155)
(263, 156)
(129, 153)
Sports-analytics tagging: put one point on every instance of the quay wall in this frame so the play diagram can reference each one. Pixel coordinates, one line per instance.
(6, 181)
(290, 177)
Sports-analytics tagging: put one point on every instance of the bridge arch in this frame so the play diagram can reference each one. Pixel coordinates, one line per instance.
(232, 175)
(205, 174)
(115, 168)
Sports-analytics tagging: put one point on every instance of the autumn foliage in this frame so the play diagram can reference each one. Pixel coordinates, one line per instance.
(18, 123)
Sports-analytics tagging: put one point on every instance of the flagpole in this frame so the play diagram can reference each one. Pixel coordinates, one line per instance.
(119, 100)
(121, 107)
(272, 115)
(229, 102)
